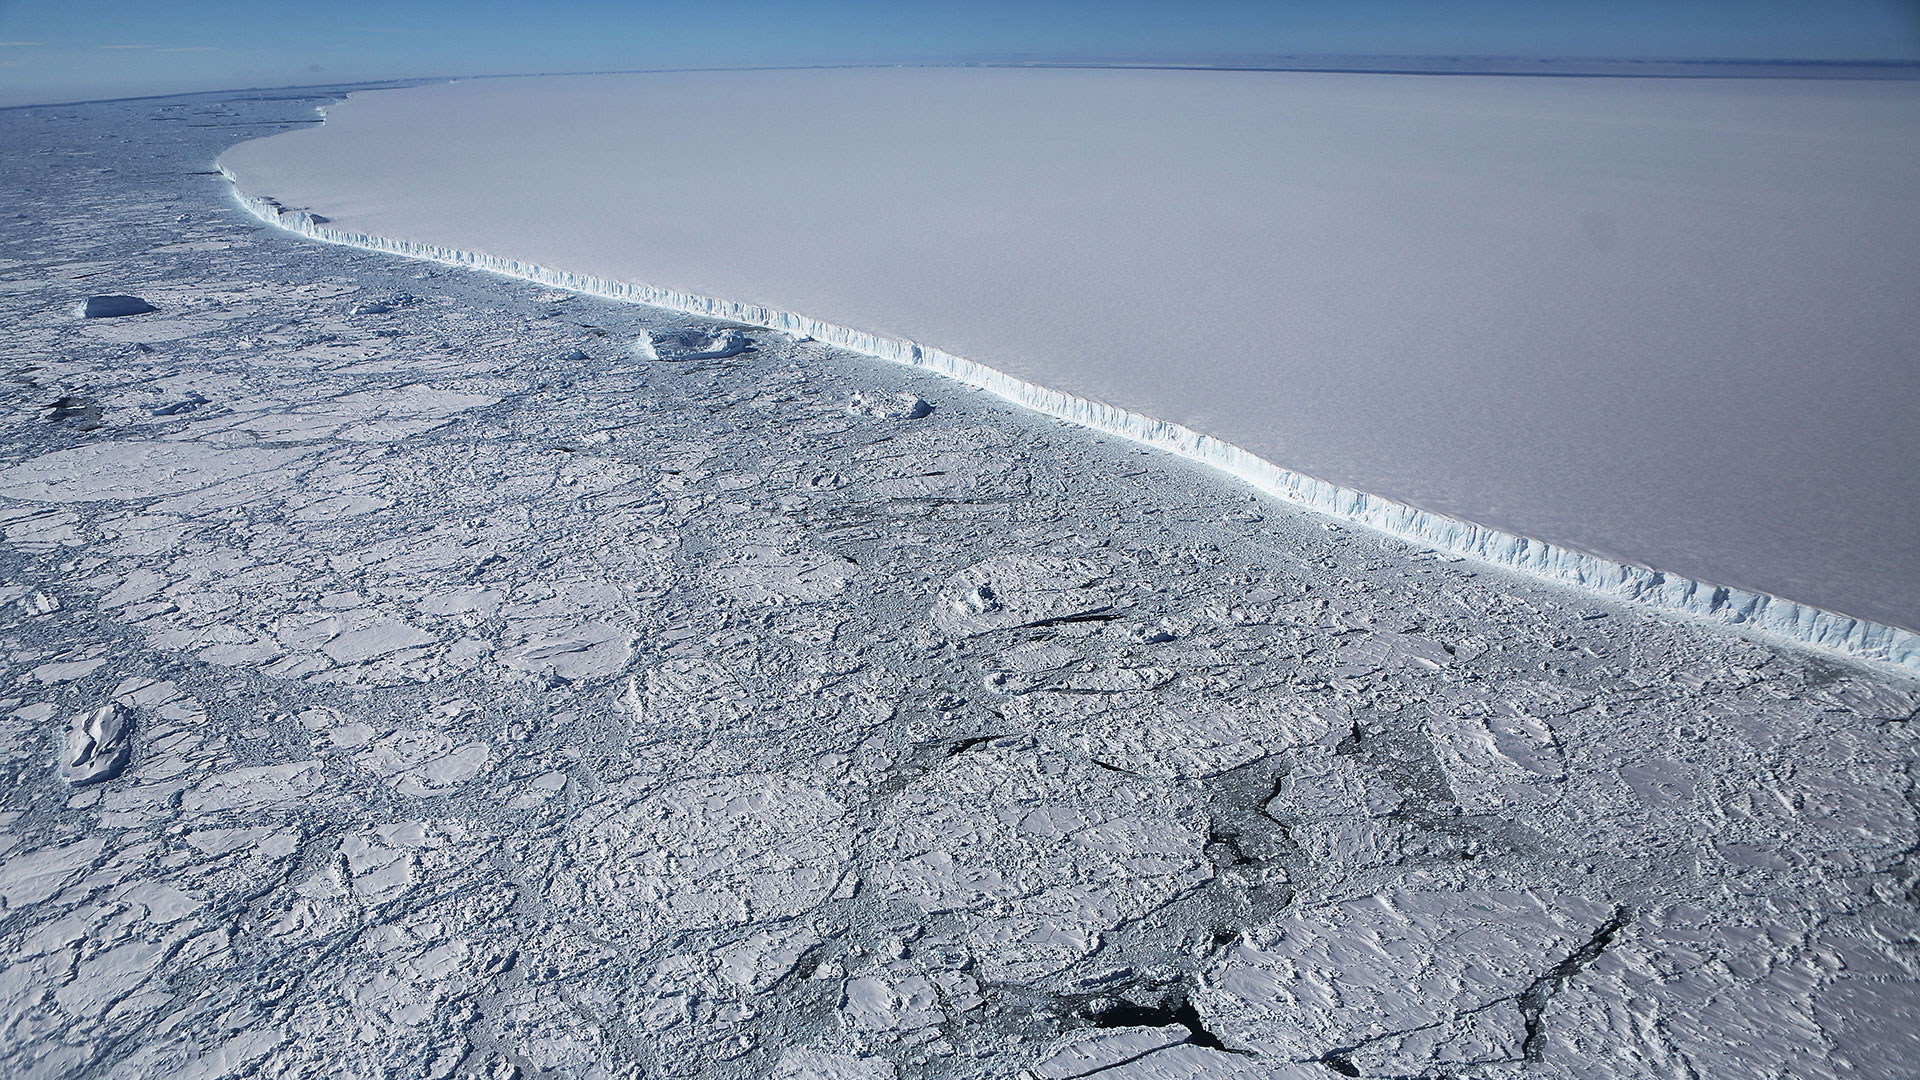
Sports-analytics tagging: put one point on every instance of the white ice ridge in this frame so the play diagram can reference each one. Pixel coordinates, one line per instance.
(1799, 622)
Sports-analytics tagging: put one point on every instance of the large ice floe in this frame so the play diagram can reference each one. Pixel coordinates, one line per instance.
(1644, 336)
(403, 674)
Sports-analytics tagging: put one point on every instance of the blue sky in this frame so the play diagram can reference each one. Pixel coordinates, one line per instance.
(69, 49)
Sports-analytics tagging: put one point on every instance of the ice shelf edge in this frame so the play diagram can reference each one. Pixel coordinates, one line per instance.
(1801, 623)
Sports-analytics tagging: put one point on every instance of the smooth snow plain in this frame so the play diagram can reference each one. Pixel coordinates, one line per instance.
(1666, 322)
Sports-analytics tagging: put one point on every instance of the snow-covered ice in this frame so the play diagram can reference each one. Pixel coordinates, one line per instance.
(461, 692)
(1667, 322)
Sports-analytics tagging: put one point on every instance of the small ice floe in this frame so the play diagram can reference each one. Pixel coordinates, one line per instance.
(97, 745)
(1008, 591)
(113, 306)
(186, 404)
(695, 343)
(884, 405)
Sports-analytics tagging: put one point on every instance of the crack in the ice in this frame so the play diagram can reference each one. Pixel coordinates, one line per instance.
(1181, 1012)
(1534, 999)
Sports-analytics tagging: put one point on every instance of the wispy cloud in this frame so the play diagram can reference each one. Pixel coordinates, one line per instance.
(20, 44)
(191, 48)
(126, 46)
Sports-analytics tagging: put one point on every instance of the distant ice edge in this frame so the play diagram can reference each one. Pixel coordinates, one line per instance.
(1857, 638)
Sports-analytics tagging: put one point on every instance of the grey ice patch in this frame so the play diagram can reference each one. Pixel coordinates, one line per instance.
(1039, 853)
(113, 306)
(98, 745)
(1505, 759)
(1089, 1052)
(1398, 980)
(826, 1065)
(704, 853)
(84, 412)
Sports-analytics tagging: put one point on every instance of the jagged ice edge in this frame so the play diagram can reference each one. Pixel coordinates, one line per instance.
(1802, 623)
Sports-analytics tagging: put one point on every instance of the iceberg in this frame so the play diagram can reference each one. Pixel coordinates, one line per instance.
(1225, 427)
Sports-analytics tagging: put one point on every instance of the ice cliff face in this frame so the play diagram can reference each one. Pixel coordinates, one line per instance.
(1855, 637)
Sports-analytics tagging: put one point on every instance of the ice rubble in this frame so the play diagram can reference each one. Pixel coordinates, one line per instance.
(684, 346)
(1701, 599)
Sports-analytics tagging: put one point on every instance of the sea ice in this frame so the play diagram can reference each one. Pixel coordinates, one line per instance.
(498, 708)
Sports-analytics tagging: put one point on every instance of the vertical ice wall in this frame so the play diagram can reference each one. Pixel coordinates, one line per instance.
(1854, 637)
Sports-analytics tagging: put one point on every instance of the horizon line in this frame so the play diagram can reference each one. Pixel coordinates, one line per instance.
(1302, 65)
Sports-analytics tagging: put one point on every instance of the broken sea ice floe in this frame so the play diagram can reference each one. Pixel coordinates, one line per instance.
(113, 306)
(186, 404)
(703, 853)
(887, 405)
(1007, 591)
(696, 343)
(97, 745)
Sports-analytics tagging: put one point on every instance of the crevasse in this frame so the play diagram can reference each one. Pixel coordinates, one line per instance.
(1803, 623)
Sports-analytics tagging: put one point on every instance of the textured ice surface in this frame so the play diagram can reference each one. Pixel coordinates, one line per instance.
(499, 701)
(98, 744)
(1664, 321)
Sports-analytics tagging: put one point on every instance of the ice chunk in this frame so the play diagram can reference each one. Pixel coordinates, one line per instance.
(98, 745)
(186, 404)
(882, 405)
(680, 346)
(140, 470)
(1040, 853)
(1505, 759)
(875, 1003)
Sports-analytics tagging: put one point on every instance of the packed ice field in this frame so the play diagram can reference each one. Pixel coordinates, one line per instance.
(412, 671)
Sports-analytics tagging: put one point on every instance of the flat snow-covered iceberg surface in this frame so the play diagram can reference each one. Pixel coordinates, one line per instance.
(400, 675)
(1799, 622)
